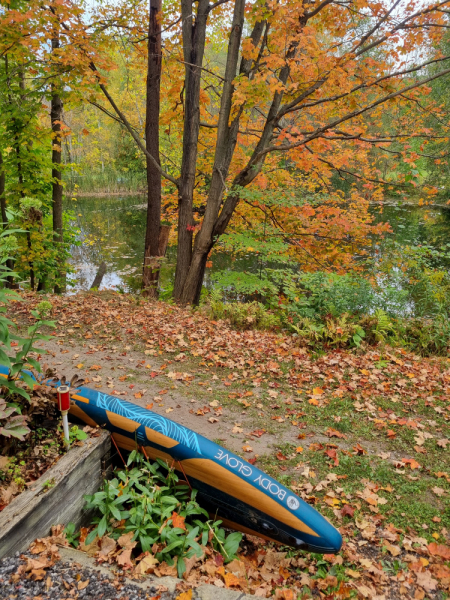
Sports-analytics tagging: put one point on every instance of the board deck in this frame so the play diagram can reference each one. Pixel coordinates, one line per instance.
(239, 493)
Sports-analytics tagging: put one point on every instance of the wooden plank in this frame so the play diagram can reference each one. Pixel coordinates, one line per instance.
(32, 514)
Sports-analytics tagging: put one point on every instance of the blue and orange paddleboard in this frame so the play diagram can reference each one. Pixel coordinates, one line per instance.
(244, 497)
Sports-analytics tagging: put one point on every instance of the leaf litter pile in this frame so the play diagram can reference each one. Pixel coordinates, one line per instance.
(363, 436)
(25, 458)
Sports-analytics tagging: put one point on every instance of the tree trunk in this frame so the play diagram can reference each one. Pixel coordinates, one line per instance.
(194, 37)
(57, 188)
(151, 251)
(225, 144)
(214, 224)
(99, 276)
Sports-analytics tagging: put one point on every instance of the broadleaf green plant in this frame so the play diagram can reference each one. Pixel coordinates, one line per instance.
(148, 499)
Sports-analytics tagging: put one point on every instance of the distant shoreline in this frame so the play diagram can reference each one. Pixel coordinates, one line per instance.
(144, 192)
(105, 194)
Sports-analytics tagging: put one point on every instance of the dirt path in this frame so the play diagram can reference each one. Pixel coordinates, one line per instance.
(135, 376)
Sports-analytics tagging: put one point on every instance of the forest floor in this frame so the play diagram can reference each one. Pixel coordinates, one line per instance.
(360, 435)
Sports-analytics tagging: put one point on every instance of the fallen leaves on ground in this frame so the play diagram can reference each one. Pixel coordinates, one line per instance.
(386, 412)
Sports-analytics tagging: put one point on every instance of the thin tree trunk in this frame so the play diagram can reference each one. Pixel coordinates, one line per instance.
(99, 276)
(151, 251)
(57, 188)
(214, 224)
(225, 144)
(194, 37)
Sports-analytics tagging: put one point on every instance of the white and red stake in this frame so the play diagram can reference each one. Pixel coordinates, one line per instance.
(64, 405)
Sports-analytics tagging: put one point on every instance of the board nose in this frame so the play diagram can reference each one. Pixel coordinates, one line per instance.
(329, 540)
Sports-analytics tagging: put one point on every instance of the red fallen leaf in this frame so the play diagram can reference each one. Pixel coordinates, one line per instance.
(439, 550)
(154, 374)
(149, 406)
(229, 578)
(332, 453)
(344, 592)
(347, 511)
(281, 456)
(314, 447)
(440, 571)
(330, 432)
(178, 521)
(391, 434)
(252, 460)
(258, 432)
(359, 450)
(218, 559)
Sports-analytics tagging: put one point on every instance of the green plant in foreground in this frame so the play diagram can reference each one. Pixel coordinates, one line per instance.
(20, 347)
(49, 484)
(72, 535)
(159, 511)
(76, 434)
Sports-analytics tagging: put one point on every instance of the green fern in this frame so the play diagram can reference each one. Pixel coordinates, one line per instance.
(383, 325)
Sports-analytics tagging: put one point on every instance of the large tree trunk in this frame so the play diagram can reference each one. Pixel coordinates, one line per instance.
(152, 251)
(57, 188)
(194, 37)
(225, 144)
(214, 224)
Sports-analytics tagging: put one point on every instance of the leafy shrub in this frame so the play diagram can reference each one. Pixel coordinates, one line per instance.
(18, 356)
(337, 332)
(12, 421)
(160, 512)
(242, 315)
(427, 336)
(319, 294)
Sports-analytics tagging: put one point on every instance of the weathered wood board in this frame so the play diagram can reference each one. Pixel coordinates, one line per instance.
(32, 514)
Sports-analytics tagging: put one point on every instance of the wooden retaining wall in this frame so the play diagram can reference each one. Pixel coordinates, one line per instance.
(32, 514)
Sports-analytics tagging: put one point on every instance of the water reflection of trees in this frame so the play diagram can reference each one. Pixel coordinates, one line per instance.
(113, 231)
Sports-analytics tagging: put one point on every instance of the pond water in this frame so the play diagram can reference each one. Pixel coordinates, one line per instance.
(113, 230)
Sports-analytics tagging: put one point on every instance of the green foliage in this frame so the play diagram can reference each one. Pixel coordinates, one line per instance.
(337, 332)
(158, 510)
(331, 310)
(426, 336)
(76, 434)
(72, 535)
(252, 315)
(36, 248)
(417, 276)
(314, 295)
(15, 349)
